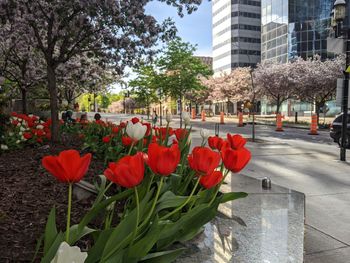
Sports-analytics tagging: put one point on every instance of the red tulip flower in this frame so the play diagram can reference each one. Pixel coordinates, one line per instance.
(15, 122)
(68, 166)
(180, 134)
(135, 120)
(236, 141)
(126, 141)
(106, 139)
(217, 143)
(163, 160)
(27, 135)
(127, 172)
(115, 129)
(148, 131)
(211, 180)
(235, 160)
(39, 140)
(203, 160)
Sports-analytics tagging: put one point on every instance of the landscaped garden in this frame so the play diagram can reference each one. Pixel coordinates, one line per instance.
(153, 191)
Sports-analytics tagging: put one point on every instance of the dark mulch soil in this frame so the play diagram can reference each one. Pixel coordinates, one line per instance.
(27, 193)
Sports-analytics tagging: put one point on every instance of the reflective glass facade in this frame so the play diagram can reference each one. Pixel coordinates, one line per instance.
(294, 28)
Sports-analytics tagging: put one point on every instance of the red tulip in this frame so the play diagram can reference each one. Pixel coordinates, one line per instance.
(135, 120)
(235, 160)
(148, 131)
(122, 125)
(106, 139)
(217, 143)
(163, 160)
(126, 141)
(68, 166)
(162, 132)
(39, 140)
(127, 172)
(27, 135)
(203, 160)
(115, 129)
(211, 180)
(15, 122)
(180, 134)
(236, 141)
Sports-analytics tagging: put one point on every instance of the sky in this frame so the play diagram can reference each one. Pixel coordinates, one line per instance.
(194, 28)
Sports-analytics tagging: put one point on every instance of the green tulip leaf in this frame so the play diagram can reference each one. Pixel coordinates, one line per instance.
(95, 252)
(53, 248)
(170, 200)
(50, 230)
(232, 196)
(163, 257)
(76, 235)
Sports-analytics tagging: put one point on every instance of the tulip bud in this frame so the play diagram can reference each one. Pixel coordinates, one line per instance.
(136, 131)
(168, 117)
(204, 134)
(66, 253)
(186, 117)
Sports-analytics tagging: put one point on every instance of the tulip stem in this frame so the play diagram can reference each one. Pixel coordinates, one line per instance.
(185, 203)
(131, 146)
(69, 211)
(137, 215)
(154, 202)
(218, 187)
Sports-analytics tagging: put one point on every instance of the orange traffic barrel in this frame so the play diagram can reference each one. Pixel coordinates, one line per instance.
(279, 123)
(193, 114)
(222, 118)
(203, 115)
(240, 119)
(313, 125)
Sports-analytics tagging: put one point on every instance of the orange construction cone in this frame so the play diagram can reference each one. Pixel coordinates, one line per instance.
(203, 115)
(279, 123)
(240, 119)
(222, 118)
(313, 126)
(193, 114)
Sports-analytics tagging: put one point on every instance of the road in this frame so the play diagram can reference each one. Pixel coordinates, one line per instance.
(305, 163)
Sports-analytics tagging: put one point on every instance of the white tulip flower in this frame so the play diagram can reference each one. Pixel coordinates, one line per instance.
(10, 133)
(18, 141)
(186, 117)
(4, 147)
(136, 131)
(168, 117)
(68, 254)
(22, 128)
(204, 134)
(40, 127)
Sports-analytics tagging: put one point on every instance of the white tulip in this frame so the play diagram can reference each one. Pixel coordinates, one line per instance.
(11, 133)
(40, 127)
(204, 134)
(68, 254)
(168, 117)
(136, 131)
(186, 117)
(30, 115)
(18, 141)
(22, 128)
(4, 147)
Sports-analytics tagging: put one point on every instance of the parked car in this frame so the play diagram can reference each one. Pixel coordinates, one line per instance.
(335, 131)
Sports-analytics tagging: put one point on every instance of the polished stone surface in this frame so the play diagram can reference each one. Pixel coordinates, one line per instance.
(274, 231)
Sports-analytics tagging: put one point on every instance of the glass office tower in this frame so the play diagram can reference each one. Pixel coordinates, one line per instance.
(292, 28)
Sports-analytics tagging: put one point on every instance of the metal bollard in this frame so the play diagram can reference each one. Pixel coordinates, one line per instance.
(217, 129)
(266, 183)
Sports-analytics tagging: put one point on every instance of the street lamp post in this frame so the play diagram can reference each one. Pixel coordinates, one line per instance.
(343, 31)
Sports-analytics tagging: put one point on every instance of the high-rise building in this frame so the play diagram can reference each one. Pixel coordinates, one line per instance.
(294, 28)
(236, 34)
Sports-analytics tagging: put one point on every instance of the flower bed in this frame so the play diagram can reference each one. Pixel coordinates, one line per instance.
(168, 193)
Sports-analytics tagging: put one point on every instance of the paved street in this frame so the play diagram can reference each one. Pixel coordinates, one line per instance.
(308, 164)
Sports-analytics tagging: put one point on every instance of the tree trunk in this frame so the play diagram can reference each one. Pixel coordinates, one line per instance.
(24, 100)
(318, 108)
(180, 108)
(52, 86)
(278, 106)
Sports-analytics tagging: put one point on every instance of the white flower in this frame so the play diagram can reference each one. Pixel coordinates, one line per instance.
(204, 133)
(136, 131)
(186, 117)
(68, 254)
(4, 147)
(18, 141)
(30, 115)
(22, 128)
(11, 133)
(40, 127)
(20, 133)
(168, 117)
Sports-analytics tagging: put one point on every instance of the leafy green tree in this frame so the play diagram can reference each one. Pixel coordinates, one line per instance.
(145, 86)
(181, 71)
